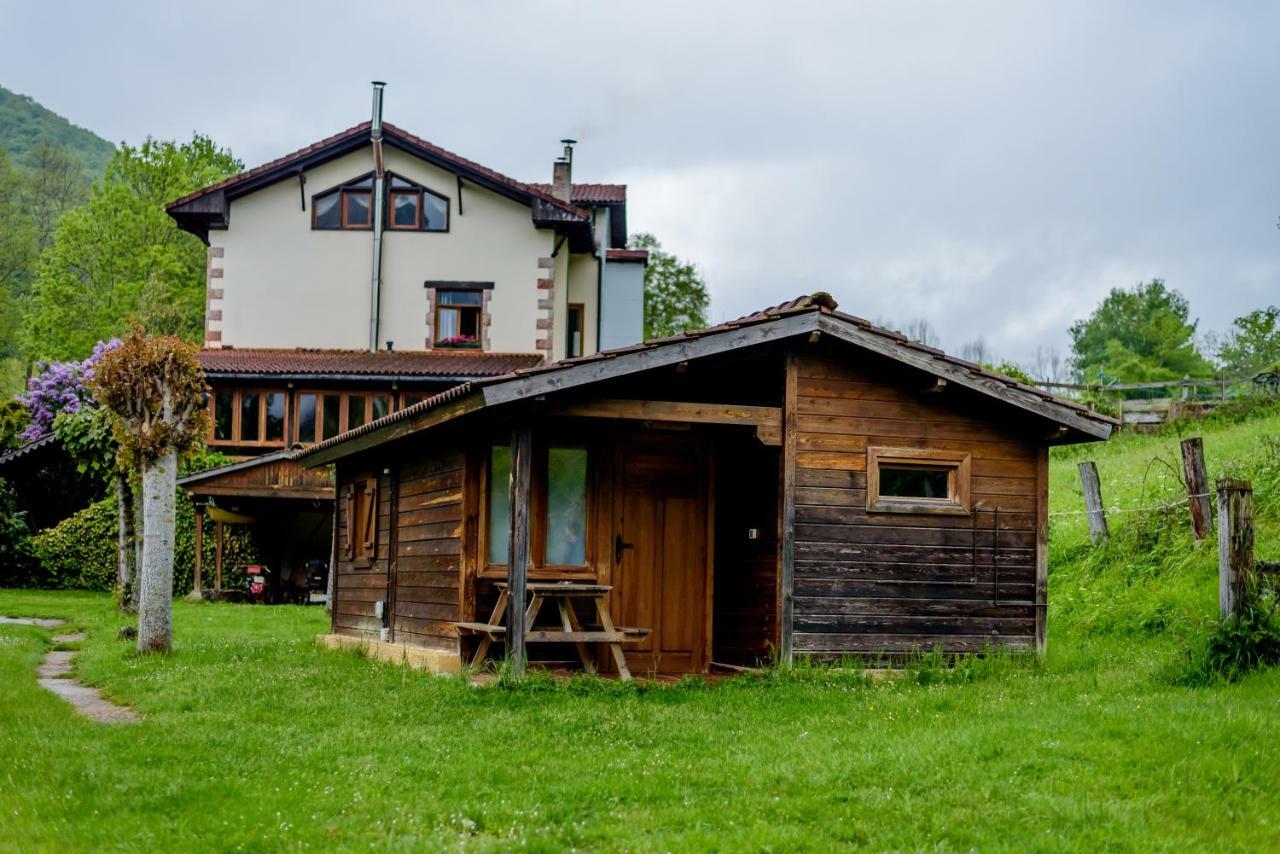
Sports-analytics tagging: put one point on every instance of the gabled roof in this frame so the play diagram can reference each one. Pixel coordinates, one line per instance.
(209, 207)
(801, 316)
(303, 362)
(592, 194)
(238, 465)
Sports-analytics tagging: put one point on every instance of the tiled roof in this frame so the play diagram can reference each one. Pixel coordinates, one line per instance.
(585, 194)
(416, 363)
(626, 254)
(819, 302)
(392, 134)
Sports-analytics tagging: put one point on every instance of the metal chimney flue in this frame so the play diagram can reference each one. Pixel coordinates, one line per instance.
(375, 128)
(379, 189)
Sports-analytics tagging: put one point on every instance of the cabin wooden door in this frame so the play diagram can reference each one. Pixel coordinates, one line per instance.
(660, 546)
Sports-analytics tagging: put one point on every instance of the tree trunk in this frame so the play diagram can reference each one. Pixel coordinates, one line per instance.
(155, 602)
(128, 555)
(139, 534)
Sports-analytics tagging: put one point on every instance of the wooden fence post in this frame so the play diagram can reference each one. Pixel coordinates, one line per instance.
(1197, 487)
(1235, 543)
(1093, 502)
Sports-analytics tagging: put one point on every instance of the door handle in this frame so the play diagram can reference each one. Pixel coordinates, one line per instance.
(618, 546)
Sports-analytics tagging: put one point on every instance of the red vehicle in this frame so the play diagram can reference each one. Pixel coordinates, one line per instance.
(258, 581)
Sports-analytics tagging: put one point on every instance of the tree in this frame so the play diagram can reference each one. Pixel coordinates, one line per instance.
(977, 351)
(1138, 335)
(156, 389)
(88, 436)
(1253, 344)
(59, 387)
(17, 252)
(120, 258)
(921, 331)
(675, 295)
(55, 183)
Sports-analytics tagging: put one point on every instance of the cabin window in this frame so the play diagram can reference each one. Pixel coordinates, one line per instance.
(917, 480)
(573, 331)
(558, 517)
(566, 530)
(458, 318)
(248, 417)
(499, 509)
(362, 521)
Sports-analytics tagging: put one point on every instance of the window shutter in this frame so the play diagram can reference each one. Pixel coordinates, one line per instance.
(370, 516)
(352, 522)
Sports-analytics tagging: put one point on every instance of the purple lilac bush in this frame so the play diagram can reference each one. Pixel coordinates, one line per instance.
(59, 387)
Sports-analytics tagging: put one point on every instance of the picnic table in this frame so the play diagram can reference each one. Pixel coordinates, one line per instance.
(568, 629)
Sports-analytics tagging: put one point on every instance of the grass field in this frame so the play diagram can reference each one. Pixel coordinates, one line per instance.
(255, 738)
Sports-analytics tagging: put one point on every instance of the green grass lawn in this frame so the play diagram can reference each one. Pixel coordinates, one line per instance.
(253, 737)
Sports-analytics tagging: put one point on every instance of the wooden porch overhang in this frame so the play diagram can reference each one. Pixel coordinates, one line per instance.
(274, 475)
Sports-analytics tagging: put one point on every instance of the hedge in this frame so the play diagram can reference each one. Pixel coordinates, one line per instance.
(80, 551)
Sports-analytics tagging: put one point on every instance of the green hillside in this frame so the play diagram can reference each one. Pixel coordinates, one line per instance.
(24, 123)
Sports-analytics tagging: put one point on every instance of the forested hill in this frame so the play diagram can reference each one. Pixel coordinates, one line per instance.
(24, 124)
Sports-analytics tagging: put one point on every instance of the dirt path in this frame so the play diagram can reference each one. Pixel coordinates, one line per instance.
(55, 674)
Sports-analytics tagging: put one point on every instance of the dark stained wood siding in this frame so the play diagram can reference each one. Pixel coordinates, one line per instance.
(891, 582)
(359, 585)
(428, 550)
(417, 567)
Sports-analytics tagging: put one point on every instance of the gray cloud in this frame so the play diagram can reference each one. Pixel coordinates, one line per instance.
(993, 168)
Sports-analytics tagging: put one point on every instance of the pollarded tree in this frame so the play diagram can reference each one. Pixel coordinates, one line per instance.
(157, 391)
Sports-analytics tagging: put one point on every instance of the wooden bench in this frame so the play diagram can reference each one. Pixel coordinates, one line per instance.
(490, 630)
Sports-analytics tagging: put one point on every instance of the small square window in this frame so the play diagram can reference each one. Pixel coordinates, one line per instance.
(327, 211)
(917, 480)
(355, 208)
(406, 205)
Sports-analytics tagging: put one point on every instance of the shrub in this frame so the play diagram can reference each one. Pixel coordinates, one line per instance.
(80, 551)
(18, 565)
(1246, 642)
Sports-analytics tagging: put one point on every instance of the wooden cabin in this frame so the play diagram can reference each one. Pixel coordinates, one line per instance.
(796, 482)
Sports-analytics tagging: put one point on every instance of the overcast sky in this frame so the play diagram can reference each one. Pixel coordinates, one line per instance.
(994, 168)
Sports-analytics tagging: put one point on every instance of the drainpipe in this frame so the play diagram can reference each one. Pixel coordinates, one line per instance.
(379, 180)
(604, 251)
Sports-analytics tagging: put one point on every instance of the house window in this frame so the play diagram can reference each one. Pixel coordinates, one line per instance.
(412, 207)
(332, 413)
(917, 480)
(573, 331)
(349, 206)
(362, 521)
(558, 509)
(248, 417)
(458, 318)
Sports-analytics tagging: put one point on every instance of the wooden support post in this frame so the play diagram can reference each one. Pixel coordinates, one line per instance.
(195, 588)
(787, 516)
(1235, 544)
(1092, 487)
(1197, 487)
(518, 544)
(217, 558)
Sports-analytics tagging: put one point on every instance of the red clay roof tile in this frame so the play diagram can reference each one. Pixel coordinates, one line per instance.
(452, 364)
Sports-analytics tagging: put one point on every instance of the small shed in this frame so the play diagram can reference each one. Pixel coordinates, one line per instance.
(795, 482)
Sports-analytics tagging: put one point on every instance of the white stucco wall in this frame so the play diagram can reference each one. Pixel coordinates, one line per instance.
(285, 285)
(582, 289)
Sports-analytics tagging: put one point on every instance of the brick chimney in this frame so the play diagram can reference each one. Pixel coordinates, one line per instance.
(562, 173)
